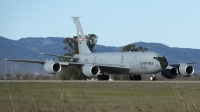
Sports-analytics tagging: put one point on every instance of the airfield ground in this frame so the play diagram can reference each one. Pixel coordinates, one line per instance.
(102, 96)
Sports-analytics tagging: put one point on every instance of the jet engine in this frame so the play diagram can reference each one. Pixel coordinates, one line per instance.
(170, 72)
(186, 70)
(52, 67)
(90, 70)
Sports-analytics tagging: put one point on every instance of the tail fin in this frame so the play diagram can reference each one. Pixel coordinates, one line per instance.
(82, 45)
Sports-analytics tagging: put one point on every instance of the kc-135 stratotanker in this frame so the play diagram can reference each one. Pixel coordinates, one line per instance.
(101, 64)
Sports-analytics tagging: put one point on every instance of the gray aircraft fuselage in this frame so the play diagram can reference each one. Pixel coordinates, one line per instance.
(147, 62)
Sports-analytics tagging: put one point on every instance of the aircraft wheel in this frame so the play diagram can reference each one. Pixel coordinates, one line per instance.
(134, 77)
(100, 77)
(155, 78)
(152, 78)
(131, 77)
(139, 77)
(106, 77)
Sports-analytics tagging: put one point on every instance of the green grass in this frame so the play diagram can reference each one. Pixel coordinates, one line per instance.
(99, 96)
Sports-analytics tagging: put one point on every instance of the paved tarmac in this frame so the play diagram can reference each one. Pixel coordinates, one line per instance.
(95, 81)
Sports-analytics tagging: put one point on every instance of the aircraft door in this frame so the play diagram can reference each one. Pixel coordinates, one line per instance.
(143, 64)
(135, 64)
(122, 59)
(94, 60)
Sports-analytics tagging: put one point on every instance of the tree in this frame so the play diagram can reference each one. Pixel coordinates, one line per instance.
(142, 48)
(39, 77)
(132, 47)
(72, 72)
(1, 77)
(19, 76)
(72, 44)
(8, 76)
(145, 49)
(91, 41)
(47, 77)
(129, 47)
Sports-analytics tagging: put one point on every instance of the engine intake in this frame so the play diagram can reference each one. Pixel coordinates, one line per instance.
(90, 70)
(186, 70)
(52, 67)
(170, 72)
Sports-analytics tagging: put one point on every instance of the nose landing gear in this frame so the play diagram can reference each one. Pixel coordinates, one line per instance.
(153, 77)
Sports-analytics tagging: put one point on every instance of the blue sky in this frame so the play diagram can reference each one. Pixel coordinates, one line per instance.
(175, 23)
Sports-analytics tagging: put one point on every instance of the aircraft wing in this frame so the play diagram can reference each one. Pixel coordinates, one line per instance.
(42, 62)
(22, 60)
(60, 56)
(112, 68)
(178, 65)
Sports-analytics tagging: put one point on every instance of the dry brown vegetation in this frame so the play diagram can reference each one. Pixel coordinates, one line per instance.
(99, 96)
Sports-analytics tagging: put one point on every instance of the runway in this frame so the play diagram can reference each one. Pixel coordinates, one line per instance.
(95, 81)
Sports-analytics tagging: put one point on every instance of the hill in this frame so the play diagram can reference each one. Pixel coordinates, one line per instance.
(31, 47)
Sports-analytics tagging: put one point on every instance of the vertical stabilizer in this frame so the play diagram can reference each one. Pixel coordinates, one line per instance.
(82, 45)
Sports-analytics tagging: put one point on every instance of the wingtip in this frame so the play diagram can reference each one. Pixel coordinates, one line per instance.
(6, 59)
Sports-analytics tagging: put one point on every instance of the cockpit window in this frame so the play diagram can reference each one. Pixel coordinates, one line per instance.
(158, 57)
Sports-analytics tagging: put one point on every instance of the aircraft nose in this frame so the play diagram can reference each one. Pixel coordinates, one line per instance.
(163, 62)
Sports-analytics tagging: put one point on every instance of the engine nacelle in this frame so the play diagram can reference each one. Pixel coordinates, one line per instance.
(186, 70)
(90, 70)
(170, 72)
(52, 67)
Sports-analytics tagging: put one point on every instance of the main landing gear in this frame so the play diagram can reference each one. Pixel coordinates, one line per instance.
(153, 77)
(138, 77)
(135, 77)
(103, 76)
